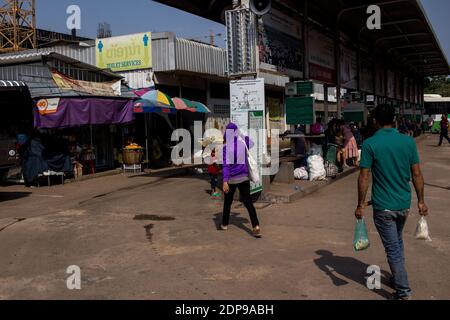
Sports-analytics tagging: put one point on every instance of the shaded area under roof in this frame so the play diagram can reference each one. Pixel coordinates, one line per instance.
(406, 38)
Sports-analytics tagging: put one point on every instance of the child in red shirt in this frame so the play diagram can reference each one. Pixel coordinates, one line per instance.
(214, 171)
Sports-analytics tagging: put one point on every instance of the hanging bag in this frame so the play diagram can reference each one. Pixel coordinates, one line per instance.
(253, 169)
(361, 241)
(422, 230)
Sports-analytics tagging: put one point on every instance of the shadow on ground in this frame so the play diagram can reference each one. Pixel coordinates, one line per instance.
(9, 196)
(235, 220)
(437, 186)
(341, 270)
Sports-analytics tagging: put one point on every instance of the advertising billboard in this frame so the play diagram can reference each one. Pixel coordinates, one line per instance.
(322, 66)
(280, 44)
(125, 53)
(349, 68)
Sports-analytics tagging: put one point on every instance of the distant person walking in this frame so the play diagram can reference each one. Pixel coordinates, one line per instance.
(350, 146)
(444, 129)
(236, 176)
(392, 158)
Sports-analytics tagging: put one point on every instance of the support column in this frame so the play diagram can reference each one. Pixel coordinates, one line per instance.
(305, 41)
(325, 102)
(337, 54)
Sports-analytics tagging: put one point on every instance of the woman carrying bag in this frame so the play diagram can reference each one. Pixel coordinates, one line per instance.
(238, 171)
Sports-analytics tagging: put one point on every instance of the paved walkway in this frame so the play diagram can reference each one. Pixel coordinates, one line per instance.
(154, 238)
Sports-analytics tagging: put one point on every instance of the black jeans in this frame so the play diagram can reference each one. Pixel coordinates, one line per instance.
(444, 134)
(244, 189)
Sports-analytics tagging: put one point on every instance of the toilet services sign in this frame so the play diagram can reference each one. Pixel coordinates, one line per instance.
(125, 53)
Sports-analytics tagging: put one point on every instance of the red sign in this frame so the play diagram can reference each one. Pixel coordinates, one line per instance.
(323, 74)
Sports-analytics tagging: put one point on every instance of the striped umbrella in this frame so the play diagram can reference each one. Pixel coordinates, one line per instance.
(148, 106)
(200, 107)
(152, 100)
(191, 106)
(184, 104)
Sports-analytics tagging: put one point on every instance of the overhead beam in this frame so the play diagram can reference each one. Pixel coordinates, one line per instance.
(417, 34)
(391, 23)
(348, 9)
(419, 53)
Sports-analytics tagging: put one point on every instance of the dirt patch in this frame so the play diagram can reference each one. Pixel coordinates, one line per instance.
(148, 232)
(151, 217)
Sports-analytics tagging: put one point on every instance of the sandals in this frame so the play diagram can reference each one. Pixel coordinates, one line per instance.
(257, 232)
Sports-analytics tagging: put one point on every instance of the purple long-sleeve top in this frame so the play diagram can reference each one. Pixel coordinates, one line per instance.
(235, 164)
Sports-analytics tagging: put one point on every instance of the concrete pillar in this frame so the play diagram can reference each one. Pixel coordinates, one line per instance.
(325, 102)
(305, 41)
(337, 53)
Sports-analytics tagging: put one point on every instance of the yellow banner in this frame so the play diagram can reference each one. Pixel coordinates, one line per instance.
(131, 52)
(107, 89)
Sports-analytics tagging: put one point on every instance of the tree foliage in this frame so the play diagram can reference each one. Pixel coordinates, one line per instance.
(438, 85)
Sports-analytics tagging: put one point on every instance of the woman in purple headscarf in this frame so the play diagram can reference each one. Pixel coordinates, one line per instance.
(236, 176)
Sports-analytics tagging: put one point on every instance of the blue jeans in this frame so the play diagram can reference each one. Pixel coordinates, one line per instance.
(390, 226)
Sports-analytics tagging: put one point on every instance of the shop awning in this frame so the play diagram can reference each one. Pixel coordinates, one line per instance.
(73, 112)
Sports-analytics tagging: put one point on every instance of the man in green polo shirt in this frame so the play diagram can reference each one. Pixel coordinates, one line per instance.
(393, 160)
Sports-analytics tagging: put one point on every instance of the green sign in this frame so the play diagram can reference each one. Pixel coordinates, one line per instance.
(300, 110)
(354, 116)
(132, 52)
(300, 88)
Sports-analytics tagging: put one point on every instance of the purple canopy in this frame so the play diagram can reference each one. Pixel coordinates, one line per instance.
(74, 112)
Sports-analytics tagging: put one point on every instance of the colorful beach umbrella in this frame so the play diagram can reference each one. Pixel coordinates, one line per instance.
(191, 106)
(200, 107)
(152, 100)
(148, 106)
(183, 104)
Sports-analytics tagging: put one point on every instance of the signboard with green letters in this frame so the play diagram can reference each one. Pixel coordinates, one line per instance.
(300, 88)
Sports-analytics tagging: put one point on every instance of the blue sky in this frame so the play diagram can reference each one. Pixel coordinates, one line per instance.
(125, 17)
(146, 15)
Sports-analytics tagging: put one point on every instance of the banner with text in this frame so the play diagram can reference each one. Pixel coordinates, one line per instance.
(131, 52)
(248, 112)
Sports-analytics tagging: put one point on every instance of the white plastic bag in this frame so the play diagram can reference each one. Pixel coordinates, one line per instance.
(316, 168)
(301, 174)
(253, 168)
(422, 230)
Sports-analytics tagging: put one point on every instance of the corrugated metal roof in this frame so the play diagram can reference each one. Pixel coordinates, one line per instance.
(202, 58)
(139, 79)
(169, 54)
(37, 56)
(27, 56)
(12, 83)
(163, 52)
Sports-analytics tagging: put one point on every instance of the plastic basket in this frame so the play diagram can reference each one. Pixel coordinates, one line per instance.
(132, 157)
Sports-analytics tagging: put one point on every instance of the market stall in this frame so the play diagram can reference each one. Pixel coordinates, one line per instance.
(150, 107)
(88, 125)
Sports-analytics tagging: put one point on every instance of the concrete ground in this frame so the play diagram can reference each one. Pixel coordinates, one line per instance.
(156, 238)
